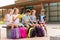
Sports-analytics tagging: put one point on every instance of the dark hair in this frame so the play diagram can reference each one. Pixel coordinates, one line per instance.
(28, 10)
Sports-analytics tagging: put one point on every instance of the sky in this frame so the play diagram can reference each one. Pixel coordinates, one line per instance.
(6, 2)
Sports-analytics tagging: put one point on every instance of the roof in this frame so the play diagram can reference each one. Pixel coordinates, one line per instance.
(28, 3)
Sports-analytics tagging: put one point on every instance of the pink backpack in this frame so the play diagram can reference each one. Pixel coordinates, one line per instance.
(23, 32)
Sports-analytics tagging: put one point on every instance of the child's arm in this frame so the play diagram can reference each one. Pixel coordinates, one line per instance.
(45, 18)
(13, 19)
(23, 18)
(5, 18)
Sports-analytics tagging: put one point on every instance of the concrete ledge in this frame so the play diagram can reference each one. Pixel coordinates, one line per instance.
(55, 38)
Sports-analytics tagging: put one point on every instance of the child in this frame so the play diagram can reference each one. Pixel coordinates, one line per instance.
(42, 19)
(33, 17)
(15, 17)
(9, 18)
(26, 18)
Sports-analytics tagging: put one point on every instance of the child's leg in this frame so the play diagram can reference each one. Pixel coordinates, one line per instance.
(27, 26)
(41, 25)
(16, 25)
(12, 26)
(44, 25)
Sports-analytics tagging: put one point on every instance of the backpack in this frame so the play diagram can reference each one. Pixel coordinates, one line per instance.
(40, 32)
(31, 32)
(15, 33)
(23, 31)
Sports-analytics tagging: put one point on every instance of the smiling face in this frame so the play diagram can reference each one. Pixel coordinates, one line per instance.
(10, 11)
(16, 11)
(28, 13)
(42, 11)
(33, 12)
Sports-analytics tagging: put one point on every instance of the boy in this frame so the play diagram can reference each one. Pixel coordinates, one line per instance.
(26, 18)
(42, 19)
(33, 16)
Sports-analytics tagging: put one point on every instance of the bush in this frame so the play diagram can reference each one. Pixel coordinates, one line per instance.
(2, 22)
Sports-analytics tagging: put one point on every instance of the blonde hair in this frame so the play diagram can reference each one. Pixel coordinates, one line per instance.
(9, 10)
(16, 9)
(34, 10)
(42, 9)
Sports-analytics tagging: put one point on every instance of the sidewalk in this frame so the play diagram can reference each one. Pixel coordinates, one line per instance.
(35, 38)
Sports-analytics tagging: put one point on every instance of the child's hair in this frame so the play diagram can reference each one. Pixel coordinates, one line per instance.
(33, 11)
(15, 9)
(9, 10)
(42, 10)
(28, 10)
(21, 11)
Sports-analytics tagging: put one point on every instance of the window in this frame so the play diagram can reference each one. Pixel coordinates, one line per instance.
(52, 8)
(59, 18)
(53, 18)
(59, 13)
(54, 13)
(58, 3)
(53, 4)
(58, 7)
(46, 5)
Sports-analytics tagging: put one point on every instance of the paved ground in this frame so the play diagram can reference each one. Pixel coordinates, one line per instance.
(53, 30)
(35, 38)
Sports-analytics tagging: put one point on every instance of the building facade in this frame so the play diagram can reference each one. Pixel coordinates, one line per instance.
(52, 10)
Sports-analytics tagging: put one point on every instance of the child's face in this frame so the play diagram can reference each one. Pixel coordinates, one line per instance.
(11, 11)
(33, 12)
(42, 12)
(28, 13)
(17, 11)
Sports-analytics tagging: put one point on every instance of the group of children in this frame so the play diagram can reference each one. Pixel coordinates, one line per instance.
(13, 18)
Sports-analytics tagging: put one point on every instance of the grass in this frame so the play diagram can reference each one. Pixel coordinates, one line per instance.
(2, 22)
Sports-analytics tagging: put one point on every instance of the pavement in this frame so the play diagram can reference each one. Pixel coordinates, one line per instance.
(53, 30)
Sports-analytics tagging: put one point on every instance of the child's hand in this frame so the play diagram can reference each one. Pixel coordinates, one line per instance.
(8, 21)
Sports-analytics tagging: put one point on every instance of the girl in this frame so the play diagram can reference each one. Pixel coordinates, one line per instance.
(15, 17)
(9, 18)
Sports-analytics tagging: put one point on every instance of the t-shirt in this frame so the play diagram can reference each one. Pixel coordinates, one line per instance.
(17, 19)
(42, 18)
(25, 17)
(9, 17)
(33, 18)
(20, 16)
